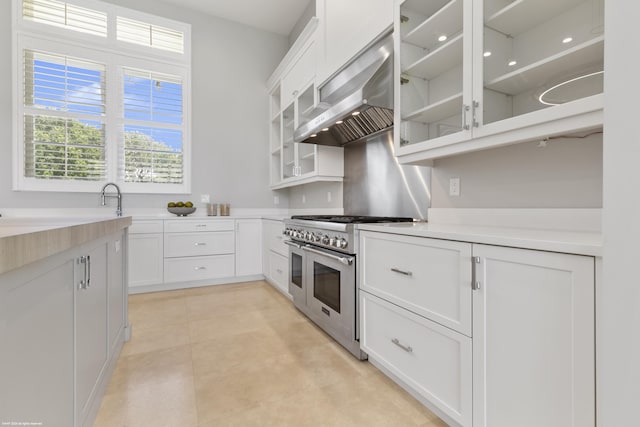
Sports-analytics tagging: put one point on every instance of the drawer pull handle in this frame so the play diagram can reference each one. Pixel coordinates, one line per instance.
(404, 273)
(407, 348)
(279, 271)
(200, 268)
(201, 225)
(201, 244)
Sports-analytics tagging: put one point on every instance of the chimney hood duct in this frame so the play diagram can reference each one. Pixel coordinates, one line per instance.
(356, 103)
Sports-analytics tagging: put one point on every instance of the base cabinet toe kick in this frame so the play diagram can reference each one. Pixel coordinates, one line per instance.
(483, 335)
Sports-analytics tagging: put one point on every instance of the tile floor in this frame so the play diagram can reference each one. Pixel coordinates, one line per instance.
(242, 355)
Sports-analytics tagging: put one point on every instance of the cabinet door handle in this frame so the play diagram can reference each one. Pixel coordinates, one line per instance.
(83, 282)
(279, 271)
(201, 225)
(475, 284)
(465, 125)
(406, 348)
(200, 268)
(200, 244)
(88, 271)
(476, 107)
(404, 273)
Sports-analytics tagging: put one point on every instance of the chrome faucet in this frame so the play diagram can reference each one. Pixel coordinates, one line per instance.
(118, 196)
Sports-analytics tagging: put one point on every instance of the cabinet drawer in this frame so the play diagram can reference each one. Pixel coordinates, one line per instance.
(433, 360)
(274, 237)
(278, 270)
(140, 227)
(187, 225)
(429, 277)
(194, 244)
(198, 268)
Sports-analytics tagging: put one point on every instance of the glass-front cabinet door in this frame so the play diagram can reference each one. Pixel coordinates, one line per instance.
(471, 74)
(432, 69)
(288, 146)
(305, 153)
(538, 54)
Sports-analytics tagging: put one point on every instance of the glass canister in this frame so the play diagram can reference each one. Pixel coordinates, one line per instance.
(212, 209)
(225, 209)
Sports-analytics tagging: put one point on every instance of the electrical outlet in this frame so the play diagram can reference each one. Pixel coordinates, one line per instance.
(329, 196)
(276, 200)
(454, 186)
(304, 199)
(205, 198)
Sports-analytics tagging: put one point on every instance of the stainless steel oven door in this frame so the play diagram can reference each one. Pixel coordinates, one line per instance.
(297, 288)
(331, 281)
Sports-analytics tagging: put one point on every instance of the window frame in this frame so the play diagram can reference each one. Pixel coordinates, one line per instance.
(116, 55)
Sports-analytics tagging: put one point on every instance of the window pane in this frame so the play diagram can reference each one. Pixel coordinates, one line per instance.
(61, 14)
(153, 155)
(145, 34)
(62, 83)
(61, 148)
(152, 97)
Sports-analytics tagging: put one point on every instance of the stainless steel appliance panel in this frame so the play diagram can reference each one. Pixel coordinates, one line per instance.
(376, 184)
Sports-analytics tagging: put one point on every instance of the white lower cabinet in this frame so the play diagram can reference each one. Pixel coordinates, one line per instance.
(146, 246)
(248, 247)
(61, 327)
(532, 329)
(533, 339)
(91, 326)
(165, 254)
(36, 332)
(275, 255)
(433, 360)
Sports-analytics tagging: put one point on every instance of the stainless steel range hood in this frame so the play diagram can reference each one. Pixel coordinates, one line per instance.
(355, 104)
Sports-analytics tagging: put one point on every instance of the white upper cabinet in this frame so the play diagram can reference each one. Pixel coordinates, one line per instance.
(347, 27)
(477, 74)
(293, 96)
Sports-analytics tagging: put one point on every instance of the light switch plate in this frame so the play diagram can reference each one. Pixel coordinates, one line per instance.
(454, 186)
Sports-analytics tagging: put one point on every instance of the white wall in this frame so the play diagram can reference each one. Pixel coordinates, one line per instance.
(565, 174)
(618, 311)
(315, 196)
(231, 64)
(308, 13)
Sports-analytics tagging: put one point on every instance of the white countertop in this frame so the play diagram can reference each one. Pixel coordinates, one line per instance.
(572, 242)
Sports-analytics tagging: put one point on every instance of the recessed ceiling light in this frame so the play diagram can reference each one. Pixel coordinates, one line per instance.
(512, 63)
(486, 54)
(325, 129)
(567, 40)
(355, 113)
(339, 122)
(313, 135)
(442, 38)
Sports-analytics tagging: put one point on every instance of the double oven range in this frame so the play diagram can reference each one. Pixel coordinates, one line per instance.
(323, 280)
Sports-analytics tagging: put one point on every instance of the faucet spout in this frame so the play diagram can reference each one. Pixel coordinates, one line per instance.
(118, 195)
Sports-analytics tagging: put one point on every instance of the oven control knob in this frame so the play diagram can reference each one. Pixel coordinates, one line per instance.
(307, 236)
(325, 239)
(317, 238)
(335, 242)
(342, 243)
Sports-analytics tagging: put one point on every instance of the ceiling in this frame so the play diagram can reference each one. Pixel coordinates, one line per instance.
(275, 16)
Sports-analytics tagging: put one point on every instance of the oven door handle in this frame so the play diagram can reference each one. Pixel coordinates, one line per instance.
(342, 259)
(294, 244)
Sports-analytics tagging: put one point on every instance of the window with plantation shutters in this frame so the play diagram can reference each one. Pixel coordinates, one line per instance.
(152, 127)
(64, 113)
(103, 96)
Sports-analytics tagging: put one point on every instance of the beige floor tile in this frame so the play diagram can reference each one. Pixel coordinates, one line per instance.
(148, 370)
(242, 355)
(157, 312)
(153, 339)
